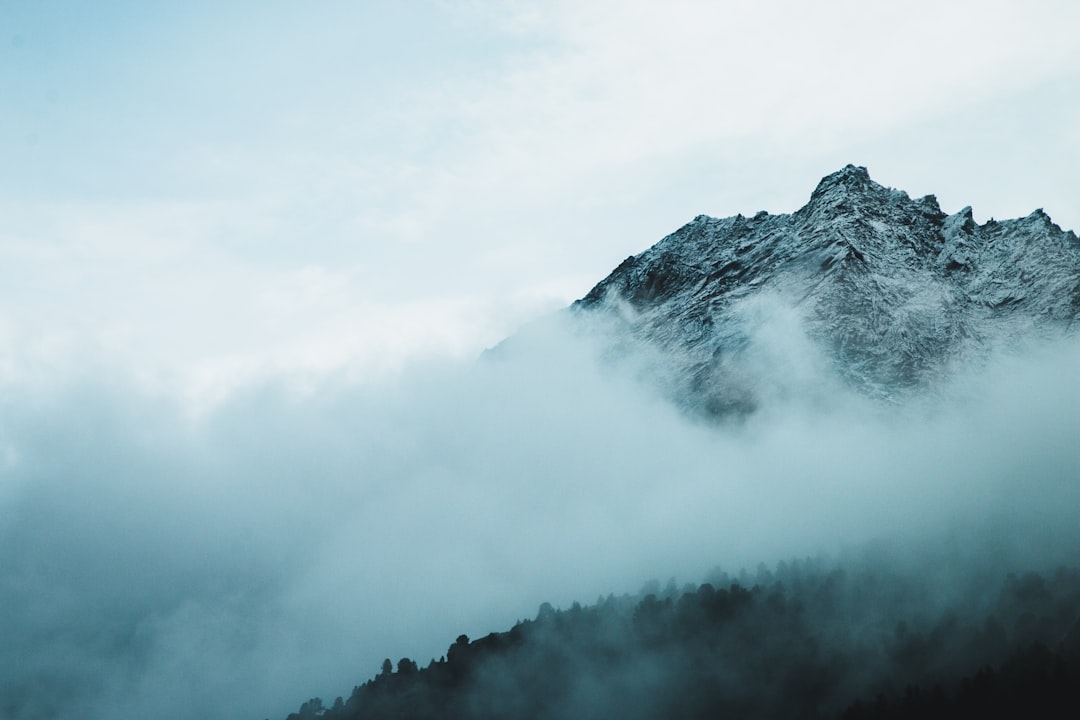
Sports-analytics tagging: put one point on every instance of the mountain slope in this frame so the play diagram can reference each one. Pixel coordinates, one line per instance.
(810, 640)
(886, 291)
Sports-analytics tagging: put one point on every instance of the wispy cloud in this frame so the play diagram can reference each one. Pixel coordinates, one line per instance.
(282, 544)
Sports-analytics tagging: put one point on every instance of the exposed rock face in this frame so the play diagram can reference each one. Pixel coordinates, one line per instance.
(886, 291)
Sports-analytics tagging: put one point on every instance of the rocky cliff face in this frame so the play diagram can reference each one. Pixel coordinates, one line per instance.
(885, 292)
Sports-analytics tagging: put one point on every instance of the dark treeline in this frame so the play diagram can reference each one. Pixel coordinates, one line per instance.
(808, 639)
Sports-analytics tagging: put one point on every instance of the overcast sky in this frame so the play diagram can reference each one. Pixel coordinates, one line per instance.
(202, 194)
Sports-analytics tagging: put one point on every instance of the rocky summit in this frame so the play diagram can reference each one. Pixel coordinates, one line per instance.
(886, 293)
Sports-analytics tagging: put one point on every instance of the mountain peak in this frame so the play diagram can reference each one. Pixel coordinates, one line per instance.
(848, 179)
(890, 291)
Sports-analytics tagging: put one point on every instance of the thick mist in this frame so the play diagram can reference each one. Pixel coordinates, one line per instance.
(278, 547)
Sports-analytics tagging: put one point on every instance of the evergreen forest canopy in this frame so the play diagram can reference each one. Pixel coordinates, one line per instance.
(852, 639)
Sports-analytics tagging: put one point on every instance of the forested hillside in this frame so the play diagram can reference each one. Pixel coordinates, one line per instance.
(808, 639)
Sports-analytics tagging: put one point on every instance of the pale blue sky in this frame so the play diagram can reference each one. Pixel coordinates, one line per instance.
(210, 193)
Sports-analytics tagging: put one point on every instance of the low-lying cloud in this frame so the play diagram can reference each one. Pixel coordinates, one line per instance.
(281, 546)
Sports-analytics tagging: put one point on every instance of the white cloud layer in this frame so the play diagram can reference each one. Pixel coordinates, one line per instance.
(280, 546)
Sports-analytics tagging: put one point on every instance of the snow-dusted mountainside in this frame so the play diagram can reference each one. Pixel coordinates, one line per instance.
(884, 291)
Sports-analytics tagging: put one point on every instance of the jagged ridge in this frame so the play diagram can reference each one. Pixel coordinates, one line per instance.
(889, 290)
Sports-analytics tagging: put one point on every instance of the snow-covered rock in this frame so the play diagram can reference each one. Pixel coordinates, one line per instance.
(885, 292)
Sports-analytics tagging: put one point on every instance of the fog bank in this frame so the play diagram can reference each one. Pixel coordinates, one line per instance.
(279, 547)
